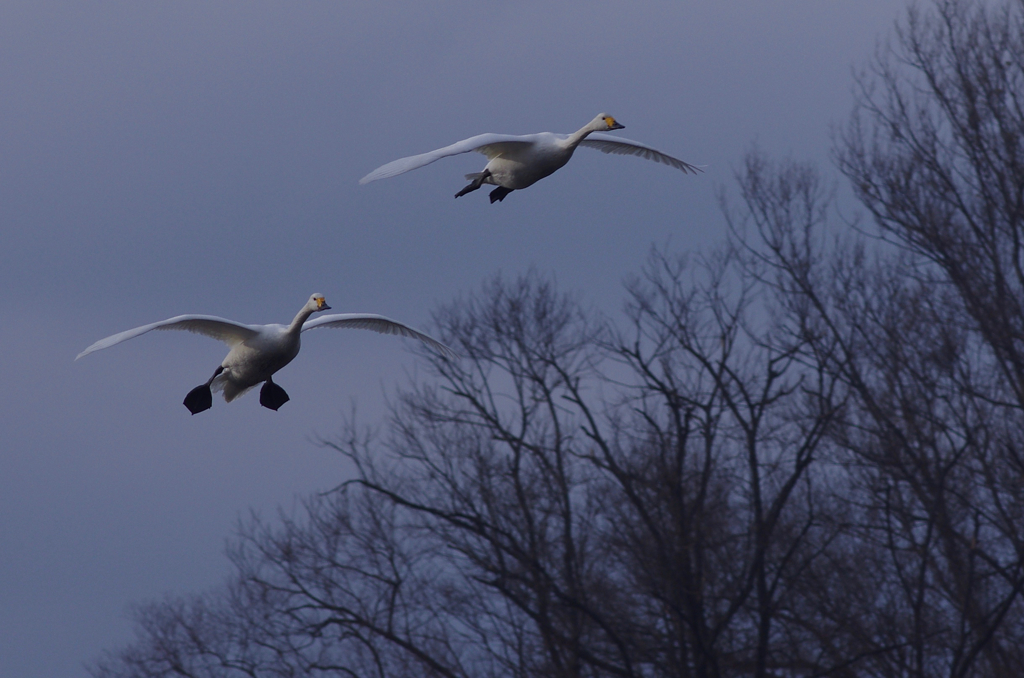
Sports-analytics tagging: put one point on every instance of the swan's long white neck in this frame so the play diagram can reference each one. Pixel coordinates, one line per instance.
(576, 137)
(300, 319)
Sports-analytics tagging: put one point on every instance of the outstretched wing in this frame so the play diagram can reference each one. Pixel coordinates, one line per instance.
(488, 144)
(377, 323)
(228, 331)
(607, 143)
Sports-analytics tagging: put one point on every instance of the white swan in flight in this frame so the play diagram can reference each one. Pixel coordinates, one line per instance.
(258, 351)
(518, 161)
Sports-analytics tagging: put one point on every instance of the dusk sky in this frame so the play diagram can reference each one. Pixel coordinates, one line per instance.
(204, 157)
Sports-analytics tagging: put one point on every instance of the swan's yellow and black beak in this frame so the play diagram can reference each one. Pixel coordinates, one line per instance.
(610, 121)
(321, 304)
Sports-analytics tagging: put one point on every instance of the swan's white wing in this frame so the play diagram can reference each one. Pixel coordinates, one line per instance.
(377, 323)
(488, 144)
(228, 331)
(607, 143)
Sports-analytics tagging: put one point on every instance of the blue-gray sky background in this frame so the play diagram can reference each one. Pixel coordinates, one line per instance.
(203, 157)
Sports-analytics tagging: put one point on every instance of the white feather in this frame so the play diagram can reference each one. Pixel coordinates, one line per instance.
(606, 143)
(228, 331)
(488, 144)
(376, 323)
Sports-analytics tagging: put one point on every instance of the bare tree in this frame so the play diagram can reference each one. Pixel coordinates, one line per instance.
(935, 154)
(924, 576)
(924, 329)
(935, 151)
(718, 506)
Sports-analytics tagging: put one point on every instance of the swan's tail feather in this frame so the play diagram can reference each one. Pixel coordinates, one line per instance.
(230, 389)
(476, 175)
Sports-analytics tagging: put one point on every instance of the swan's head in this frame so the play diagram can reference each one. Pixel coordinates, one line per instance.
(605, 123)
(317, 303)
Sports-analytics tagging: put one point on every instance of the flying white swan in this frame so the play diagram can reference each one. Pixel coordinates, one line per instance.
(258, 351)
(518, 161)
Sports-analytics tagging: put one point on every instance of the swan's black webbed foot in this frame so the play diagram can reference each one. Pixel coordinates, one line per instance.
(272, 396)
(199, 399)
(468, 189)
(498, 194)
(478, 181)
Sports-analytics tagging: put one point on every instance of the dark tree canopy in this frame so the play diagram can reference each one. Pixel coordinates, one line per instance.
(800, 455)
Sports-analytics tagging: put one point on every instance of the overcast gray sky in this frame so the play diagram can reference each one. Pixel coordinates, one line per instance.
(203, 157)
